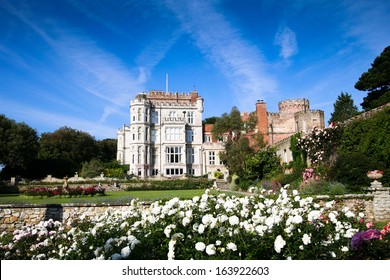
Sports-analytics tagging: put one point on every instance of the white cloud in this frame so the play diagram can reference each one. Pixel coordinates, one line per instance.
(240, 62)
(286, 39)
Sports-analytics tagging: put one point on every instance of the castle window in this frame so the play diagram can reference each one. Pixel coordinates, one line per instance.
(139, 114)
(173, 154)
(190, 155)
(173, 133)
(190, 117)
(212, 158)
(146, 115)
(154, 117)
(207, 138)
(153, 136)
(190, 135)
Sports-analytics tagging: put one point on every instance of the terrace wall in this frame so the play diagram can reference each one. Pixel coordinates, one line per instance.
(376, 207)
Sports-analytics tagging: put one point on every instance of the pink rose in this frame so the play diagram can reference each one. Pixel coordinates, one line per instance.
(369, 224)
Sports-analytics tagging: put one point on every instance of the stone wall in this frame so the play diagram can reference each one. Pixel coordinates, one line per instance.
(376, 207)
(15, 216)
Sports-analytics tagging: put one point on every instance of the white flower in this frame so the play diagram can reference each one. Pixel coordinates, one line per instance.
(301, 247)
(344, 249)
(233, 220)
(314, 215)
(231, 246)
(306, 239)
(349, 214)
(125, 252)
(207, 219)
(279, 243)
(168, 230)
(200, 246)
(210, 249)
(186, 221)
(297, 219)
(201, 228)
(218, 242)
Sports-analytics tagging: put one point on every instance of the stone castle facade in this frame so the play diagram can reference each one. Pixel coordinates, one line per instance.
(294, 116)
(166, 138)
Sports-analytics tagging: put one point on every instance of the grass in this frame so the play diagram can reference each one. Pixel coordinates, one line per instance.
(110, 197)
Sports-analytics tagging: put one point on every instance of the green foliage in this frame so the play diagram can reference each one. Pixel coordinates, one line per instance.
(67, 144)
(188, 184)
(229, 123)
(376, 81)
(369, 136)
(336, 188)
(92, 168)
(107, 149)
(18, 143)
(210, 120)
(263, 164)
(298, 154)
(236, 155)
(351, 169)
(218, 174)
(343, 108)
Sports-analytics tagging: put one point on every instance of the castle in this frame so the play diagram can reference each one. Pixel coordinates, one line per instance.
(166, 138)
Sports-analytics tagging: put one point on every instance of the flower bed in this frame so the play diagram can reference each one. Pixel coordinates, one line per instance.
(213, 226)
(61, 191)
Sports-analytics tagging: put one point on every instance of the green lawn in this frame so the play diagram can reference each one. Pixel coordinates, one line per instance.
(110, 197)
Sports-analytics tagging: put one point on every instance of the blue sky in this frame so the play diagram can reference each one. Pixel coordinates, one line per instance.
(78, 63)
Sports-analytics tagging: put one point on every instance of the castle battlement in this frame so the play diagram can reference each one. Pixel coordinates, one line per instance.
(293, 105)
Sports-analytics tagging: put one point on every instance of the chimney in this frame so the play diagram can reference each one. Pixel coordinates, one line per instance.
(262, 119)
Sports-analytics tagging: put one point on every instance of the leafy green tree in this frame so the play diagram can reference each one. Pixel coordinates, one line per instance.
(92, 168)
(69, 146)
(376, 81)
(210, 120)
(18, 144)
(343, 108)
(229, 123)
(107, 149)
(262, 164)
(236, 155)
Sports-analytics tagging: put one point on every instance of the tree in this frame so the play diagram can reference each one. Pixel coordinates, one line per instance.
(229, 123)
(210, 120)
(107, 149)
(343, 108)
(262, 164)
(18, 144)
(376, 81)
(236, 155)
(68, 146)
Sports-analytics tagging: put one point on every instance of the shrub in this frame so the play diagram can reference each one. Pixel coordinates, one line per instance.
(351, 169)
(314, 187)
(336, 188)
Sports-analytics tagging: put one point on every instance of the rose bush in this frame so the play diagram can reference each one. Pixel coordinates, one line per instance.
(268, 225)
